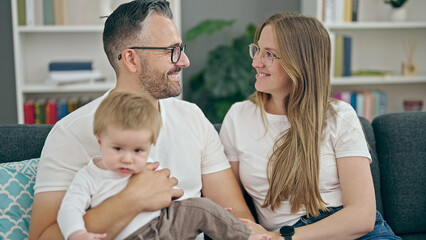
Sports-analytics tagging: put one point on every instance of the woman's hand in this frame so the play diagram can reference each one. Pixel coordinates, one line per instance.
(258, 229)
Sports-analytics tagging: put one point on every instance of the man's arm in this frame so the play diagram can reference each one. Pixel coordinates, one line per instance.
(147, 191)
(222, 188)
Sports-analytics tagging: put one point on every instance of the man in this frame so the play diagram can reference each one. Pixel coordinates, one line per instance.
(144, 47)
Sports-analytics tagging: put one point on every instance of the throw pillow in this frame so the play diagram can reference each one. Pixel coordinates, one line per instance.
(16, 198)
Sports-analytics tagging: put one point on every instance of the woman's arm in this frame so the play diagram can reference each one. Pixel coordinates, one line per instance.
(358, 215)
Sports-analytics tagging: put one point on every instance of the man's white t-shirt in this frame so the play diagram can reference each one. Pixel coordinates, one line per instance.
(246, 140)
(188, 145)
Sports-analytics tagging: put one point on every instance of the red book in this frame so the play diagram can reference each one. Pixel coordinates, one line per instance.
(51, 112)
(29, 112)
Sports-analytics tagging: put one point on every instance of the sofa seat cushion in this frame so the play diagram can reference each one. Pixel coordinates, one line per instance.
(16, 197)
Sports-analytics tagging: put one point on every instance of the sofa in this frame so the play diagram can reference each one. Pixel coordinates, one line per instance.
(397, 144)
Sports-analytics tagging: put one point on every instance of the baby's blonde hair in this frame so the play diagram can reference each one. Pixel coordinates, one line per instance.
(127, 111)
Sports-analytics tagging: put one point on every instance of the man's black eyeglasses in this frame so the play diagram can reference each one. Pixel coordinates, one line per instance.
(175, 52)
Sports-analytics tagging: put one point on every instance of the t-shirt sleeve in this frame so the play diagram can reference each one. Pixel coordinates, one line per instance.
(62, 156)
(349, 138)
(214, 158)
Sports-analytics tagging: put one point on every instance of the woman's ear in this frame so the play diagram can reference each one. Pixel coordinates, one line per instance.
(130, 60)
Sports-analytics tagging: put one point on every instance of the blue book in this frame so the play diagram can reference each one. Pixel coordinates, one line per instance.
(70, 66)
(61, 108)
(347, 55)
(353, 100)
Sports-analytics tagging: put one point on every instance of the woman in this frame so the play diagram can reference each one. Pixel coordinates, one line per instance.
(299, 154)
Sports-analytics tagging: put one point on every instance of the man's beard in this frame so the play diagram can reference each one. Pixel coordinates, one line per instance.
(158, 84)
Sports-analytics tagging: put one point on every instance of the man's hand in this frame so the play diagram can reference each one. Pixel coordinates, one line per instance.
(152, 189)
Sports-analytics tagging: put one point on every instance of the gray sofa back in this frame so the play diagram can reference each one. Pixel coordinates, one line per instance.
(20, 141)
(401, 148)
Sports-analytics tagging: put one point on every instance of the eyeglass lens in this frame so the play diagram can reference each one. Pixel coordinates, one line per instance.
(176, 52)
(267, 57)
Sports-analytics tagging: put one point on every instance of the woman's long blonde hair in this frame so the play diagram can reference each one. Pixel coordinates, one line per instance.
(304, 49)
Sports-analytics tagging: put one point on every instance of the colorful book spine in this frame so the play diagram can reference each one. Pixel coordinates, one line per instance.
(61, 108)
(72, 104)
(355, 10)
(338, 56)
(51, 112)
(60, 12)
(39, 112)
(348, 10)
(29, 117)
(360, 104)
(30, 12)
(48, 12)
(368, 102)
(353, 100)
(22, 14)
(347, 56)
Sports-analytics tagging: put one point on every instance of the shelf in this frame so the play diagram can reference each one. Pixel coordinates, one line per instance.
(78, 87)
(59, 29)
(376, 25)
(377, 80)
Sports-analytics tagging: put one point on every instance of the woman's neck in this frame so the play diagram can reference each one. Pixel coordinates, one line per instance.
(275, 106)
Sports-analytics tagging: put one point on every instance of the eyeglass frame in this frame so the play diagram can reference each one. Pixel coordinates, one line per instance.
(181, 49)
(258, 50)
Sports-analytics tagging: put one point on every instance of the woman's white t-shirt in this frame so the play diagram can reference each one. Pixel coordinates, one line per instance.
(246, 140)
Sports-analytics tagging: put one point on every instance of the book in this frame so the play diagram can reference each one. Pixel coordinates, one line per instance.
(72, 104)
(48, 14)
(347, 56)
(29, 112)
(30, 12)
(329, 7)
(337, 95)
(60, 12)
(63, 77)
(338, 56)
(348, 10)
(39, 112)
(70, 65)
(51, 112)
(368, 102)
(339, 11)
(353, 100)
(355, 7)
(61, 108)
(22, 14)
(360, 104)
(346, 96)
(38, 12)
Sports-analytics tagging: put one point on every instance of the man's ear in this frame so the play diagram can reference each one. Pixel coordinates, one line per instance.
(130, 60)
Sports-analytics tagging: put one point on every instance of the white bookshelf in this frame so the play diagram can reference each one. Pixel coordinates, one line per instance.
(377, 44)
(37, 45)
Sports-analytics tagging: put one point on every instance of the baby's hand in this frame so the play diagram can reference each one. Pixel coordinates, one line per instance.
(228, 209)
(84, 235)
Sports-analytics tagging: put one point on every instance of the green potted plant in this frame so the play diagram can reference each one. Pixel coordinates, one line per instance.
(227, 77)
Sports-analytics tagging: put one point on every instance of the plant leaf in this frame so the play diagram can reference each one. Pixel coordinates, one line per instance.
(207, 27)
